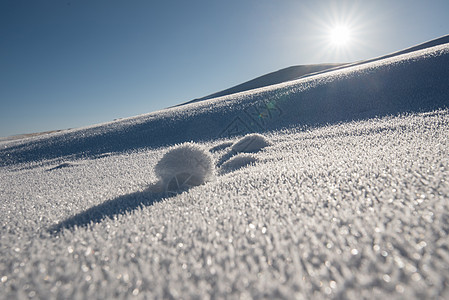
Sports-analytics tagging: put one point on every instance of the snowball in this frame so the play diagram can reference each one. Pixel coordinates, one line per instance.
(251, 143)
(237, 162)
(184, 166)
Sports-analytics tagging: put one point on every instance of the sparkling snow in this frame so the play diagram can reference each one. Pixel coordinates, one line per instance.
(340, 204)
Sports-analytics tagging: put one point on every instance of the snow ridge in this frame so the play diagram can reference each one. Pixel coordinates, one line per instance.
(413, 82)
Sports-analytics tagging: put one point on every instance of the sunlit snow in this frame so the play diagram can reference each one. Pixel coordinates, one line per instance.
(342, 193)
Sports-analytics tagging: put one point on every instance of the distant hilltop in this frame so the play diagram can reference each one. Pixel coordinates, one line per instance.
(283, 75)
(26, 135)
(300, 71)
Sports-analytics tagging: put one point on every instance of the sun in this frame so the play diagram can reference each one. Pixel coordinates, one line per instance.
(340, 35)
(339, 30)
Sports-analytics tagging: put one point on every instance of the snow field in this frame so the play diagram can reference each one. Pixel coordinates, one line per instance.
(358, 209)
(345, 211)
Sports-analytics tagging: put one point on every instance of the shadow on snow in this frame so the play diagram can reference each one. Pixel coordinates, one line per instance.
(111, 208)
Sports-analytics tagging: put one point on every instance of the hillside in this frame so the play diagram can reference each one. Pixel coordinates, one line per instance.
(296, 72)
(399, 84)
(283, 75)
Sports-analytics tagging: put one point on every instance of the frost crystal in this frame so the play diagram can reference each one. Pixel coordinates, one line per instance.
(184, 166)
(237, 162)
(251, 143)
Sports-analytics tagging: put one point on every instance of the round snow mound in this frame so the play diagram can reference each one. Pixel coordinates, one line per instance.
(251, 143)
(238, 161)
(184, 166)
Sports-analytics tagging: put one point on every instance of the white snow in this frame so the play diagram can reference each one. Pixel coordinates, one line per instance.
(251, 143)
(184, 166)
(349, 200)
(238, 161)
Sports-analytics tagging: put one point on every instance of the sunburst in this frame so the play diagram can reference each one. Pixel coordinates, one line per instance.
(340, 36)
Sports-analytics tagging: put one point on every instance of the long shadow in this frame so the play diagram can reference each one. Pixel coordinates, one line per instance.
(111, 208)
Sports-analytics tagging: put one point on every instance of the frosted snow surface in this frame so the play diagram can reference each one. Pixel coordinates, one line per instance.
(251, 143)
(350, 199)
(183, 167)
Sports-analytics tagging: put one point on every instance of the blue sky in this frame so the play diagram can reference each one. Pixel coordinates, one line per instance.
(73, 63)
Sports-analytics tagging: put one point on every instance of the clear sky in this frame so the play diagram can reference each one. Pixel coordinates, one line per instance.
(73, 63)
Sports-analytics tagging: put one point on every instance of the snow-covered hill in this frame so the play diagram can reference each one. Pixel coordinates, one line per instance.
(344, 194)
(296, 72)
(417, 81)
(280, 76)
